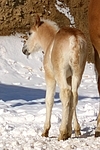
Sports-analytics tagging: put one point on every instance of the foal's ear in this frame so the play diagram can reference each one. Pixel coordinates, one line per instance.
(37, 21)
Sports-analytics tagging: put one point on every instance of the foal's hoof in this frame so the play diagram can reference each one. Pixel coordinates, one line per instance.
(45, 134)
(97, 133)
(77, 133)
(63, 137)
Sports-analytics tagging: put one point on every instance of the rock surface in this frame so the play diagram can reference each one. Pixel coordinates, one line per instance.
(18, 15)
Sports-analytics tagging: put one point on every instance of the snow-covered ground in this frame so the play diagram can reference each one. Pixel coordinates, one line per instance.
(22, 103)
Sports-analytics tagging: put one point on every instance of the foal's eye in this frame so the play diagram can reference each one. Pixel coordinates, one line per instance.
(29, 33)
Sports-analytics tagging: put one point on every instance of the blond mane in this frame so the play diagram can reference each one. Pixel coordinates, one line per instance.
(52, 24)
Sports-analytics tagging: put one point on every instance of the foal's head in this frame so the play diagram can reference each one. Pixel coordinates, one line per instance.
(32, 43)
(41, 34)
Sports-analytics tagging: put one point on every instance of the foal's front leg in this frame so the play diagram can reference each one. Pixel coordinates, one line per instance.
(97, 131)
(50, 83)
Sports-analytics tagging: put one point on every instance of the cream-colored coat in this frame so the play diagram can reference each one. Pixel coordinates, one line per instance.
(64, 61)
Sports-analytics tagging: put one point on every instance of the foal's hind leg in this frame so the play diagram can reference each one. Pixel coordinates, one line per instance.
(66, 97)
(66, 125)
(50, 84)
(77, 127)
(97, 64)
(75, 84)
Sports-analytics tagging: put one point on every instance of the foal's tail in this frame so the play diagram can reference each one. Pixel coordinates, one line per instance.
(78, 46)
(82, 48)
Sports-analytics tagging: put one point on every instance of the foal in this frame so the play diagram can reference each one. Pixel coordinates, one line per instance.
(64, 61)
(94, 30)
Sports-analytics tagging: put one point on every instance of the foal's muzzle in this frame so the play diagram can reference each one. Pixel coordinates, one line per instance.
(25, 51)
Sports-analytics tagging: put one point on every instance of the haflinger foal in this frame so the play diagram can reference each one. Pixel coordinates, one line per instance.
(65, 56)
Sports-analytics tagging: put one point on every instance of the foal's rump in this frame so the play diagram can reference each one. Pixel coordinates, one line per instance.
(69, 50)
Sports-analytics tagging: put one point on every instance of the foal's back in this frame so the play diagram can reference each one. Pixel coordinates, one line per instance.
(69, 49)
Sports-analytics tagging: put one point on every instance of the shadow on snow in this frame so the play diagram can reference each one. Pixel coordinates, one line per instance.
(13, 92)
(30, 95)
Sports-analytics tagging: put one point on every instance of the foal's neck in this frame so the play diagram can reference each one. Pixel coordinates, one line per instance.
(47, 36)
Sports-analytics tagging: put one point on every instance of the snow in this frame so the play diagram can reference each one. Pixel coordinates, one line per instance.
(61, 7)
(22, 103)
